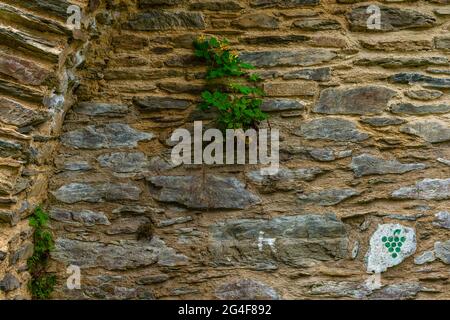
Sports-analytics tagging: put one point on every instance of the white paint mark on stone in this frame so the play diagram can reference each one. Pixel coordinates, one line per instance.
(390, 244)
(266, 241)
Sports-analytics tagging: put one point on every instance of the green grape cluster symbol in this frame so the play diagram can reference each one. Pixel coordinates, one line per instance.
(394, 243)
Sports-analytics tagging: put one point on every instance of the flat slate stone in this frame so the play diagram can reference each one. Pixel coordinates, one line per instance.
(111, 135)
(393, 19)
(211, 192)
(382, 121)
(431, 130)
(318, 74)
(366, 164)
(409, 108)
(359, 100)
(304, 57)
(86, 217)
(442, 219)
(246, 289)
(160, 103)
(328, 197)
(316, 24)
(216, 6)
(24, 71)
(270, 105)
(426, 189)
(283, 3)
(9, 283)
(100, 109)
(96, 192)
(389, 245)
(442, 251)
(299, 240)
(329, 128)
(124, 162)
(424, 80)
(158, 20)
(424, 94)
(125, 255)
(12, 112)
(402, 62)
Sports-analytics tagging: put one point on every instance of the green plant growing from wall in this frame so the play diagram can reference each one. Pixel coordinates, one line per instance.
(234, 91)
(41, 283)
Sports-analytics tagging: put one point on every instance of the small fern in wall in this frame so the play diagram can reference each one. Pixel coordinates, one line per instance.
(234, 92)
(41, 283)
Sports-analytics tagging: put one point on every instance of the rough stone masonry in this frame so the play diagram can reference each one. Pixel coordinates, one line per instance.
(364, 184)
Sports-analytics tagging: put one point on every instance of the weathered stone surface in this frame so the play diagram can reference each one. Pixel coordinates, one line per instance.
(53, 7)
(127, 225)
(30, 44)
(292, 240)
(282, 105)
(336, 289)
(98, 192)
(155, 3)
(9, 283)
(24, 71)
(257, 20)
(359, 100)
(396, 44)
(442, 43)
(211, 192)
(246, 289)
(12, 112)
(442, 251)
(425, 81)
(100, 109)
(161, 103)
(431, 130)
(390, 244)
(122, 256)
(398, 291)
(20, 91)
(283, 3)
(382, 121)
(305, 57)
(366, 164)
(409, 108)
(442, 219)
(328, 197)
(426, 189)
(316, 24)
(392, 19)
(22, 254)
(216, 6)
(402, 62)
(124, 162)
(425, 257)
(275, 40)
(10, 148)
(318, 74)
(283, 89)
(86, 217)
(329, 128)
(76, 165)
(112, 135)
(285, 179)
(156, 20)
(325, 155)
(423, 94)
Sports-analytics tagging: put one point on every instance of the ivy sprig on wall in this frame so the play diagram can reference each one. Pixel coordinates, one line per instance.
(42, 283)
(234, 91)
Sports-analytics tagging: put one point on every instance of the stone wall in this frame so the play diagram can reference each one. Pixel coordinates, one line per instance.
(39, 55)
(364, 184)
